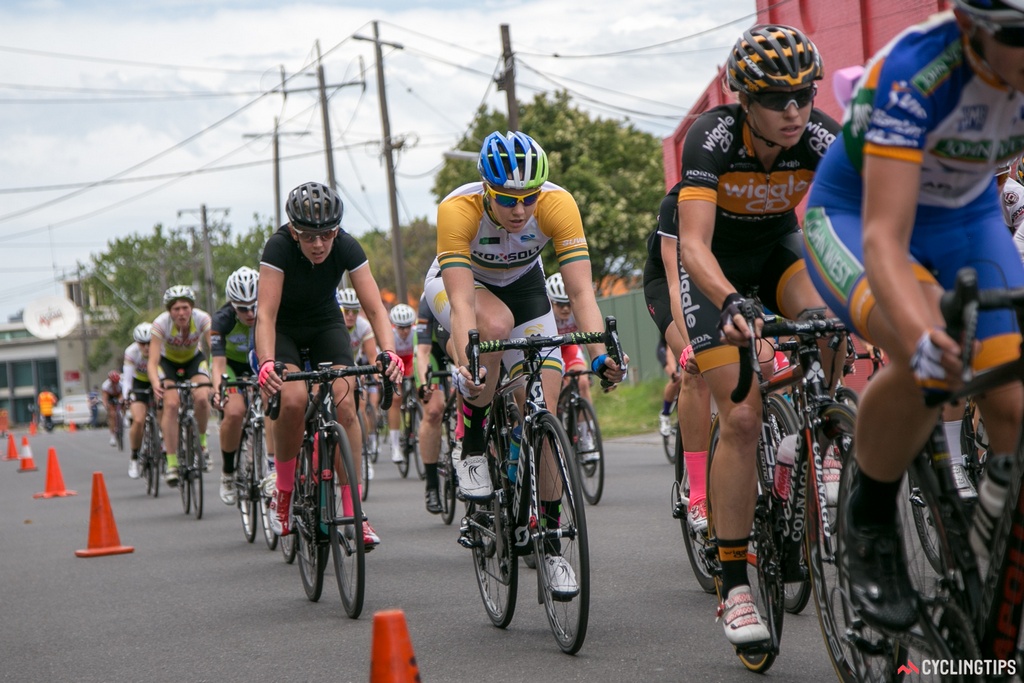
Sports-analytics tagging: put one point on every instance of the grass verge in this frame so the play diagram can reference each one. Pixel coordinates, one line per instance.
(629, 409)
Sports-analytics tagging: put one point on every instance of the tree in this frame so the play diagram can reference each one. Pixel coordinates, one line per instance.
(419, 246)
(611, 168)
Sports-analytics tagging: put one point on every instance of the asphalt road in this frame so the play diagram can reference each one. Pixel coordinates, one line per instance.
(195, 602)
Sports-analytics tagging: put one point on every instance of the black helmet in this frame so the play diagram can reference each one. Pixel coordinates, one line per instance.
(772, 56)
(314, 207)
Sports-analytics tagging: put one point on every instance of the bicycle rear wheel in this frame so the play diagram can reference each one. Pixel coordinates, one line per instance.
(184, 460)
(446, 475)
(289, 547)
(568, 612)
(119, 429)
(151, 457)
(669, 442)
(305, 517)
(247, 483)
(347, 546)
(413, 441)
(700, 546)
(195, 470)
(365, 464)
(488, 528)
(589, 451)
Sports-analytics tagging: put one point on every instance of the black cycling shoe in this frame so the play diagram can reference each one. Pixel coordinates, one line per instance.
(433, 502)
(876, 570)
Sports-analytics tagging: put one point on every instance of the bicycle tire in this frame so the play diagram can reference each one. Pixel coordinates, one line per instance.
(348, 551)
(403, 442)
(312, 555)
(289, 548)
(414, 439)
(590, 462)
(247, 485)
(196, 470)
(258, 446)
(568, 615)
(183, 459)
(151, 456)
(847, 396)
(700, 549)
(848, 642)
(445, 474)
(364, 465)
(489, 529)
(119, 428)
(373, 445)
(669, 442)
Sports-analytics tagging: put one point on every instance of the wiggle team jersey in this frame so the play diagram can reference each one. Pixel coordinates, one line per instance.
(229, 336)
(467, 236)
(929, 99)
(755, 205)
(357, 335)
(180, 345)
(668, 226)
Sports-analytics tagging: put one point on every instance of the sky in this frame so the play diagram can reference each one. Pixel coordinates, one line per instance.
(117, 116)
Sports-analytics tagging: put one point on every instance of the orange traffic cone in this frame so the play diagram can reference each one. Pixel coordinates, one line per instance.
(27, 463)
(393, 659)
(103, 537)
(32, 429)
(12, 448)
(54, 479)
(72, 427)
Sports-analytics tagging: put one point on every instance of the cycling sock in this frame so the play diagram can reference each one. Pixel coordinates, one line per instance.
(172, 460)
(952, 431)
(550, 518)
(473, 441)
(286, 475)
(873, 502)
(696, 472)
(732, 554)
(431, 471)
(135, 454)
(395, 439)
(666, 407)
(229, 462)
(346, 499)
(202, 439)
(460, 425)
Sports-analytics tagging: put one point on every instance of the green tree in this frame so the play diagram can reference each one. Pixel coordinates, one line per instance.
(612, 169)
(419, 246)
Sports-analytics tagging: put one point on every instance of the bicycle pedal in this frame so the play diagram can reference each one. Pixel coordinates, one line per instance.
(467, 542)
(761, 647)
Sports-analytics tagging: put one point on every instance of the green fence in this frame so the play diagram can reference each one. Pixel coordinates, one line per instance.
(637, 333)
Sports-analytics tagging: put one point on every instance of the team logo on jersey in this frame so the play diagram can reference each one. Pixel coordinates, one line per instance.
(1010, 198)
(820, 137)
(901, 98)
(527, 237)
(937, 71)
(720, 136)
(441, 301)
(534, 330)
(837, 265)
(972, 117)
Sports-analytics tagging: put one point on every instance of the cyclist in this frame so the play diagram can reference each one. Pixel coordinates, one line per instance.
(135, 393)
(572, 356)
(488, 276)
(667, 306)
(300, 269)
(230, 337)
(402, 318)
(177, 342)
(1013, 202)
(364, 348)
(431, 356)
(904, 202)
(110, 391)
(745, 167)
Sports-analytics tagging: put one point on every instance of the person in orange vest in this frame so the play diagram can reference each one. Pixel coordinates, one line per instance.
(46, 402)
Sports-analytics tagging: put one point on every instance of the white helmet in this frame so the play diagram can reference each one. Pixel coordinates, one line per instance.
(179, 292)
(241, 286)
(347, 299)
(556, 289)
(143, 332)
(402, 315)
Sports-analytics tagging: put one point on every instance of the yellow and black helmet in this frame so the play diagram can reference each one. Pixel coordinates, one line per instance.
(772, 56)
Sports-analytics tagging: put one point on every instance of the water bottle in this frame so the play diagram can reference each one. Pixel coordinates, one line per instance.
(513, 453)
(785, 458)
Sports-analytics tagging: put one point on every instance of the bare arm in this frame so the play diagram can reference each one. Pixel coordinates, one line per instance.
(153, 365)
(269, 302)
(458, 283)
(373, 308)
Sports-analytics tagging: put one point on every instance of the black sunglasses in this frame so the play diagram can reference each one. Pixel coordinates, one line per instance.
(780, 101)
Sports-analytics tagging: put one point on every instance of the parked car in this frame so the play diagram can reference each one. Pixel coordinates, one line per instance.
(74, 408)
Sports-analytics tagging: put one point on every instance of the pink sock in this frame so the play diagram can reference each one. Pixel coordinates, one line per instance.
(285, 474)
(460, 426)
(696, 469)
(346, 499)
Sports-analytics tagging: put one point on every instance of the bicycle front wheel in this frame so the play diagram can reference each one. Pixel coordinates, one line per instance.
(670, 442)
(562, 548)
(446, 475)
(346, 530)
(196, 467)
(413, 441)
(589, 451)
(247, 485)
(151, 457)
(184, 459)
(305, 517)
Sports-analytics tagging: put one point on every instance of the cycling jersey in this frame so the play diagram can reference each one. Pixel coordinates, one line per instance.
(405, 348)
(468, 237)
(135, 363)
(109, 388)
(358, 334)
(1013, 204)
(429, 332)
(229, 336)
(928, 99)
(755, 205)
(668, 226)
(180, 345)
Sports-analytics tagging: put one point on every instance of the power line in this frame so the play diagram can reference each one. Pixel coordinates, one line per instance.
(125, 62)
(597, 87)
(438, 40)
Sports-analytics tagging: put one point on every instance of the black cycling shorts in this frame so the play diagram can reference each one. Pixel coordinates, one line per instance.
(327, 343)
(658, 304)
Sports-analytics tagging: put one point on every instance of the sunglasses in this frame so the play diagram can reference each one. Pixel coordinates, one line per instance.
(780, 101)
(312, 237)
(244, 309)
(1010, 36)
(510, 200)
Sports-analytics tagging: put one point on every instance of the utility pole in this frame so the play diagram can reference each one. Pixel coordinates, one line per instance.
(277, 167)
(401, 292)
(325, 117)
(207, 253)
(506, 80)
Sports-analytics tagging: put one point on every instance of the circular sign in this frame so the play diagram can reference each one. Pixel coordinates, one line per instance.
(51, 317)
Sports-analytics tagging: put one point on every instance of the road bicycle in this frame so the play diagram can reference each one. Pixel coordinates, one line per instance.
(191, 462)
(580, 421)
(512, 523)
(151, 457)
(411, 411)
(327, 516)
(447, 486)
(671, 442)
(251, 461)
(369, 418)
(969, 611)
(119, 419)
(791, 527)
